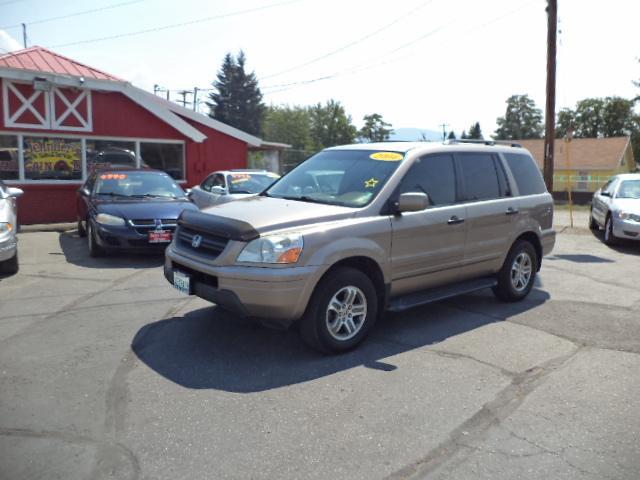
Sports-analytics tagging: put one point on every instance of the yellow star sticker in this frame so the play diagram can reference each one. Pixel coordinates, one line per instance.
(371, 183)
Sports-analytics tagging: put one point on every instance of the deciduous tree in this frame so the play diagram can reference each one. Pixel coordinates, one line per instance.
(375, 129)
(522, 119)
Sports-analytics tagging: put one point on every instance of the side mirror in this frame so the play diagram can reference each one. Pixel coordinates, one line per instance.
(187, 191)
(14, 192)
(605, 194)
(218, 190)
(84, 191)
(413, 202)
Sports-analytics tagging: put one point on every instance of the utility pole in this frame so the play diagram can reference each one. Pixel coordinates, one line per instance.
(195, 98)
(550, 112)
(24, 35)
(444, 131)
(184, 94)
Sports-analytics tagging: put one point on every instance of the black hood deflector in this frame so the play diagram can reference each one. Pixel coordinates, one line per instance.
(220, 226)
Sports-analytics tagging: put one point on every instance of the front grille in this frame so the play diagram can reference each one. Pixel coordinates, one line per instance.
(144, 225)
(211, 245)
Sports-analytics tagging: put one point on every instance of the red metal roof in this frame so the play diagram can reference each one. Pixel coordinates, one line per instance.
(40, 59)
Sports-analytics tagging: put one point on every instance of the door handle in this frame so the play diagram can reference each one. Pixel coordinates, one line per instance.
(455, 220)
(512, 211)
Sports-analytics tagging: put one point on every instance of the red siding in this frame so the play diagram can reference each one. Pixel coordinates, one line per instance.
(47, 203)
(217, 152)
(114, 115)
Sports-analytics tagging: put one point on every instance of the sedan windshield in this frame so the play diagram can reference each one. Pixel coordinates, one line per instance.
(629, 189)
(248, 182)
(138, 184)
(350, 178)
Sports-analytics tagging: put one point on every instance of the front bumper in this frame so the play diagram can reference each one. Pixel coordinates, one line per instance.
(8, 248)
(126, 238)
(276, 296)
(626, 229)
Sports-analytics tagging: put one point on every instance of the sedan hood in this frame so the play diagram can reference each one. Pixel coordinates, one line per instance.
(268, 214)
(145, 209)
(629, 205)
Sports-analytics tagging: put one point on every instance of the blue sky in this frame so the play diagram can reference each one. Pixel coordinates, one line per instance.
(419, 63)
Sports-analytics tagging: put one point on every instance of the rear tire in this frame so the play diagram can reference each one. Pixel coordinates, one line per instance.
(10, 266)
(341, 312)
(518, 273)
(609, 238)
(95, 250)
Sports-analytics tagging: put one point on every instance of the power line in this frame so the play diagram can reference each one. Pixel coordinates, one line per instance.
(376, 61)
(10, 1)
(350, 44)
(76, 14)
(177, 25)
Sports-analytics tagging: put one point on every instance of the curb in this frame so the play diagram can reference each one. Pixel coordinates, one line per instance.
(48, 227)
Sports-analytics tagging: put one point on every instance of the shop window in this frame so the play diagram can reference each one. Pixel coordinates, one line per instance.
(50, 158)
(164, 156)
(109, 154)
(9, 169)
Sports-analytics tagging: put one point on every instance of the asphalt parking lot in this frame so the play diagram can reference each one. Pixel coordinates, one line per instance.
(107, 372)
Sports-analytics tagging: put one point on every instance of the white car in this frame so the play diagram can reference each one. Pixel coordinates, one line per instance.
(229, 185)
(616, 208)
(8, 228)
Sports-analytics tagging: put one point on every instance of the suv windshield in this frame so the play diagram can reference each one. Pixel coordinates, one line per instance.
(351, 178)
(629, 189)
(245, 182)
(138, 184)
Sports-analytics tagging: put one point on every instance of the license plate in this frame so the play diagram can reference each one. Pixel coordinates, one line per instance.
(159, 236)
(182, 282)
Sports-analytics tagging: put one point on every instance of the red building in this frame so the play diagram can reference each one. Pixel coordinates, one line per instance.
(59, 117)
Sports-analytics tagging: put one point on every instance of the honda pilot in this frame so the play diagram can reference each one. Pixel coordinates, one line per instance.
(359, 229)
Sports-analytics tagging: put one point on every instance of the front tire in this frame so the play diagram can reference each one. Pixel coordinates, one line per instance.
(81, 230)
(609, 237)
(95, 250)
(341, 312)
(10, 266)
(518, 273)
(593, 225)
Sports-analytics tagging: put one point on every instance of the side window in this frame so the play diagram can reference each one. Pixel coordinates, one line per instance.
(218, 180)
(433, 175)
(526, 172)
(479, 176)
(608, 187)
(207, 184)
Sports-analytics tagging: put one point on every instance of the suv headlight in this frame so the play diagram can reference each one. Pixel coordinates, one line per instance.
(273, 249)
(622, 215)
(106, 219)
(5, 227)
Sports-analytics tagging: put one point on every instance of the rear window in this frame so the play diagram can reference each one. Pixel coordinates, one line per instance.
(527, 174)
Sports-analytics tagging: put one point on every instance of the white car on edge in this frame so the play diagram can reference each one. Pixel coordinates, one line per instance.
(8, 228)
(616, 208)
(229, 185)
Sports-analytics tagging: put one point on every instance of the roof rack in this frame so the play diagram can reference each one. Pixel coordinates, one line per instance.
(483, 142)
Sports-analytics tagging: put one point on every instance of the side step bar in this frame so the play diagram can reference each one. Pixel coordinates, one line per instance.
(439, 293)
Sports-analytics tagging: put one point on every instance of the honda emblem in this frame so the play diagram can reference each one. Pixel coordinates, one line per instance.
(196, 241)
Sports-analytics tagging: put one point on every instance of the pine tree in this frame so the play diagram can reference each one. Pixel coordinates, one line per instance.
(452, 135)
(375, 128)
(237, 99)
(475, 132)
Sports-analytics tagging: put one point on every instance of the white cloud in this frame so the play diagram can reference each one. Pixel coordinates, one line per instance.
(8, 43)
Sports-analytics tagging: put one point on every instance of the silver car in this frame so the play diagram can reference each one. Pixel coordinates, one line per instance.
(229, 185)
(616, 208)
(8, 228)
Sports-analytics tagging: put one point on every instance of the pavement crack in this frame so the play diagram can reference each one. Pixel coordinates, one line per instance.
(491, 414)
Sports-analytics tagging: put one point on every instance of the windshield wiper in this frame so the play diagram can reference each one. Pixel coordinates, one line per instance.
(151, 195)
(112, 194)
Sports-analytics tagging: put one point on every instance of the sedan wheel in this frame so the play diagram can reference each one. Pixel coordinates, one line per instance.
(609, 237)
